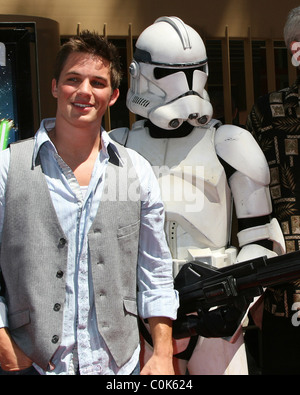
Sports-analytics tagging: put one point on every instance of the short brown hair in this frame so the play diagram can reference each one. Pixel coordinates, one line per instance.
(94, 44)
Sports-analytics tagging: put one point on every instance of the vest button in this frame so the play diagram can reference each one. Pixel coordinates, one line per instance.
(55, 339)
(56, 307)
(62, 242)
(59, 274)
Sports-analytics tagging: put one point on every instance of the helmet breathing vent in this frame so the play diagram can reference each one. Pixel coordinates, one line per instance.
(140, 101)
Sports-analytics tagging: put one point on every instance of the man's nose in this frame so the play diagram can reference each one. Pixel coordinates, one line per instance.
(85, 87)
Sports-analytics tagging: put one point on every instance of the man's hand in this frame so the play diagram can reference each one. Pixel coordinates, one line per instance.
(161, 361)
(12, 357)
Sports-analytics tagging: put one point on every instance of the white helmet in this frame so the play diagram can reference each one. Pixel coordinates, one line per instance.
(168, 74)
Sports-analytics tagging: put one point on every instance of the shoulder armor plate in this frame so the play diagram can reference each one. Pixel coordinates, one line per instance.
(239, 149)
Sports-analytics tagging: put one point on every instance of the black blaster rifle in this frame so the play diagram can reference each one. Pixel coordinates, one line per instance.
(220, 297)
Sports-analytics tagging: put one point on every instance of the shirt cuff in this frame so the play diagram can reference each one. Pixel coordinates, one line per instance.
(158, 303)
(3, 314)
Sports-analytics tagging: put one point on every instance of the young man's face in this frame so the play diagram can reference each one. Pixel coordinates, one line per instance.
(84, 91)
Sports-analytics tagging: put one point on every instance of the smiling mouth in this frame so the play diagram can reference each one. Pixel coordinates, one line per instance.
(80, 105)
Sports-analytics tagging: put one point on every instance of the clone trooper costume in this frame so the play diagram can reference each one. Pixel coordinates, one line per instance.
(204, 170)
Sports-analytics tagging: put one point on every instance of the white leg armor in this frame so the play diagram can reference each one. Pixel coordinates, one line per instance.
(233, 361)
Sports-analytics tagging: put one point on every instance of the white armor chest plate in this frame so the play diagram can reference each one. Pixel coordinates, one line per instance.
(194, 188)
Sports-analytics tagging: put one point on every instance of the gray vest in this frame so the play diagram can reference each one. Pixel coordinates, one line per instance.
(34, 261)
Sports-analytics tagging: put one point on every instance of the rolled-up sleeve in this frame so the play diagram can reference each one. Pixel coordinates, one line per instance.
(156, 294)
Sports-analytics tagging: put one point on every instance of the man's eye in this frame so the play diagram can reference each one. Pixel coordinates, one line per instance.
(98, 83)
(73, 79)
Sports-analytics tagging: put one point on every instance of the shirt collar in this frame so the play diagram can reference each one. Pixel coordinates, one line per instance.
(41, 137)
(107, 141)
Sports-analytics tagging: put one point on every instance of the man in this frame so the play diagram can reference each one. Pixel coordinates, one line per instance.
(201, 166)
(78, 256)
(274, 122)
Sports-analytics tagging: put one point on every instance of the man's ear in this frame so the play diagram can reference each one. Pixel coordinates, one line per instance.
(114, 97)
(54, 88)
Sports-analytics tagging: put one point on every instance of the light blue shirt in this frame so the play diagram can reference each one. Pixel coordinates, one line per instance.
(76, 209)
